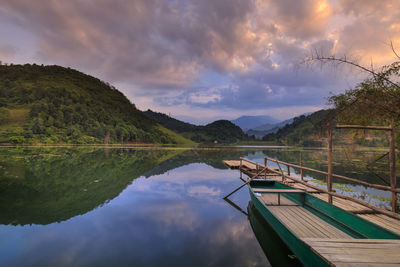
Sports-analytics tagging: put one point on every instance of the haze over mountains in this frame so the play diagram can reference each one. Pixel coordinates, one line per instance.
(251, 122)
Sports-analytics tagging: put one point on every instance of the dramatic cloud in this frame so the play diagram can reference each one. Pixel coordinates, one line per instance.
(236, 56)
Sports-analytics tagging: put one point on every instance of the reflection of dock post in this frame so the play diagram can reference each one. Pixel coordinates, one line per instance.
(392, 159)
(329, 176)
(240, 169)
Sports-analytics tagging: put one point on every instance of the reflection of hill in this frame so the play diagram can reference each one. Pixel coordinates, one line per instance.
(274, 248)
(42, 186)
(212, 157)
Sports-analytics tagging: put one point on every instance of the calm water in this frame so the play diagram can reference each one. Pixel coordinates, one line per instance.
(128, 207)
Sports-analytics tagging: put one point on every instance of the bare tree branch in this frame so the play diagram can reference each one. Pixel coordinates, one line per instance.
(394, 50)
(324, 59)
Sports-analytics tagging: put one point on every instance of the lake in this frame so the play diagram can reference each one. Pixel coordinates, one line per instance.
(88, 206)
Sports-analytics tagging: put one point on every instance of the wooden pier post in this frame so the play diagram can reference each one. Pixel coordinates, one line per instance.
(329, 176)
(392, 160)
(288, 170)
(301, 168)
(265, 165)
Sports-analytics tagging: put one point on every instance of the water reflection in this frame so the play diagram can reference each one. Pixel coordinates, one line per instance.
(51, 185)
(174, 218)
(90, 206)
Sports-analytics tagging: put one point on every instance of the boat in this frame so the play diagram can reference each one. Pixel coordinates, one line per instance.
(319, 233)
(276, 251)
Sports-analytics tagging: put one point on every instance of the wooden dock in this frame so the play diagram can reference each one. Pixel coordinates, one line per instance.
(357, 252)
(387, 222)
(333, 245)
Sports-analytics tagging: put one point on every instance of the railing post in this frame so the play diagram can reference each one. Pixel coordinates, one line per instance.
(265, 165)
(392, 160)
(301, 168)
(329, 176)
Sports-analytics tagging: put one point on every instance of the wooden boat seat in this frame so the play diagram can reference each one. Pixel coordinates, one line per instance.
(299, 220)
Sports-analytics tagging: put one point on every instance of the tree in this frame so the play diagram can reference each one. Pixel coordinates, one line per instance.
(376, 100)
(4, 115)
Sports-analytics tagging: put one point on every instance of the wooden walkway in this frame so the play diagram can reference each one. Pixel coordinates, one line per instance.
(357, 252)
(387, 222)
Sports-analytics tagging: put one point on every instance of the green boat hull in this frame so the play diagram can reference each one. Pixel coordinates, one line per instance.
(277, 252)
(351, 224)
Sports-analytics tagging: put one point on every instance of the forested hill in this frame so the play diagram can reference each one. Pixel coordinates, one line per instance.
(302, 131)
(222, 131)
(53, 104)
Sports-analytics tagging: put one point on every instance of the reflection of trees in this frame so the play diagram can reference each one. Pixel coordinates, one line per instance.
(42, 186)
(212, 157)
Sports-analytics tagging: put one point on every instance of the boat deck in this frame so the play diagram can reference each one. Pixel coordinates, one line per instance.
(306, 224)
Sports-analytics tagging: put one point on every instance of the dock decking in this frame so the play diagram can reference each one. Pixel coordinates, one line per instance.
(357, 252)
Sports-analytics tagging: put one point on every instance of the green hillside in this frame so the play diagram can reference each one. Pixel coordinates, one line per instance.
(311, 131)
(304, 131)
(222, 131)
(52, 104)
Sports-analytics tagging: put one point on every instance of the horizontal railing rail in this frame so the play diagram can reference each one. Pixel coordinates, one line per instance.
(376, 186)
(317, 188)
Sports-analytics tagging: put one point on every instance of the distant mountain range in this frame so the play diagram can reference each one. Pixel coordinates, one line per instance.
(220, 131)
(259, 126)
(267, 128)
(251, 122)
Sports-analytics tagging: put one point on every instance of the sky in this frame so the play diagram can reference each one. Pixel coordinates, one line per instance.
(202, 60)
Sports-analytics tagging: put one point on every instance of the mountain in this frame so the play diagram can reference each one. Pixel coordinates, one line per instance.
(267, 128)
(53, 104)
(250, 122)
(222, 131)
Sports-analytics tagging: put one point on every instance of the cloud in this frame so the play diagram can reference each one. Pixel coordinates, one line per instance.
(203, 192)
(168, 53)
(7, 51)
(152, 43)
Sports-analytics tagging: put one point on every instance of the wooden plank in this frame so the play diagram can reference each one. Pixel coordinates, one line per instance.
(345, 204)
(384, 221)
(356, 258)
(365, 264)
(263, 190)
(310, 224)
(305, 224)
(354, 252)
(331, 231)
(359, 251)
(394, 242)
(272, 199)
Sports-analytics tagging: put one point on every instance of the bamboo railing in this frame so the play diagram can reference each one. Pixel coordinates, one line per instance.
(266, 168)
